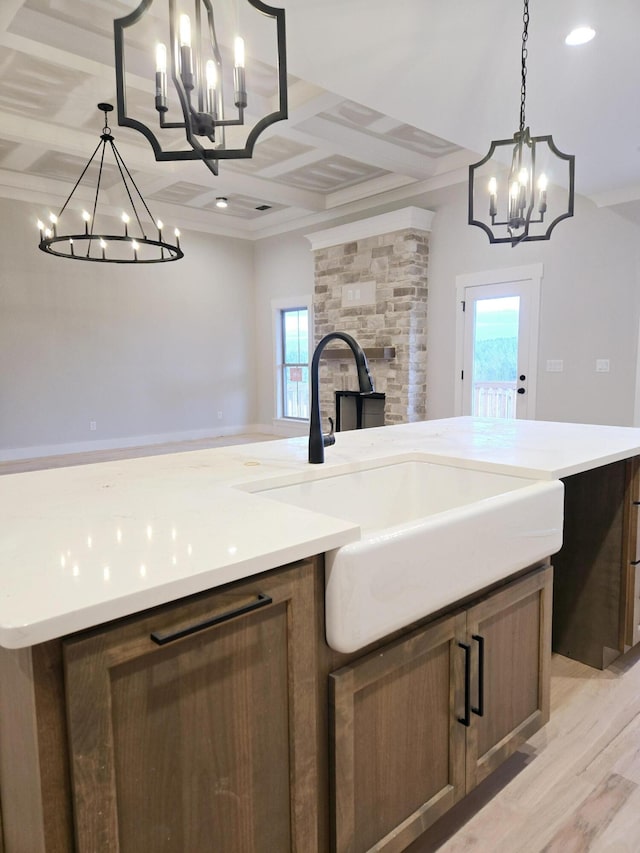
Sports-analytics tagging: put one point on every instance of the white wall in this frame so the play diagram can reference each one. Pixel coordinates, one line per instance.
(154, 350)
(590, 300)
(283, 268)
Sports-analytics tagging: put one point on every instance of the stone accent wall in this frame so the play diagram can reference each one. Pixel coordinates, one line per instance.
(393, 267)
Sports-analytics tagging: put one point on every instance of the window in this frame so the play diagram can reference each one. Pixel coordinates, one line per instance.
(294, 366)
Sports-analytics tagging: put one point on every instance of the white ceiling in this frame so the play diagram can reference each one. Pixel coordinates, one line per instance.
(386, 101)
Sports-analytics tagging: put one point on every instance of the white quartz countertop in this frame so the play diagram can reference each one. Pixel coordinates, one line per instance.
(82, 545)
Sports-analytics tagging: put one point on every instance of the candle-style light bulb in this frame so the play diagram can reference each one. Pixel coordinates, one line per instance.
(71, 247)
(53, 219)
(185, 31)
(161, 77)
(40, 224)
(177, 236)
(160, 225)
(125, 219)
(523, 180)
(135, 246)
(493, 190)
(161, 58)
(238, 52)
(211, 74)
(103, 246)
(239, 86)
(514, 192)
(186, 66)
(86, 216)
(543, 183)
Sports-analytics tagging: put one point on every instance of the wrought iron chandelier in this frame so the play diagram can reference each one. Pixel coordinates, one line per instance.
(202, 69)
(90, 245)
(535, 160)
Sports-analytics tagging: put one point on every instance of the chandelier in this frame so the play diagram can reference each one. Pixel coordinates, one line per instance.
(199, 61)
(88, 244)
(507, 215)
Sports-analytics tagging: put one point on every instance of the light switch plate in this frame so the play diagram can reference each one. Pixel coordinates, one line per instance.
(602, 365)
(555, 365)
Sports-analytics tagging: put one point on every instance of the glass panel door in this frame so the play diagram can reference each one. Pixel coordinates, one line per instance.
(497, 335)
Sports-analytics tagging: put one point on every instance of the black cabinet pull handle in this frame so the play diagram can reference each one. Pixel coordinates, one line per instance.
(479, 710)
(466, 720)
(160, 638)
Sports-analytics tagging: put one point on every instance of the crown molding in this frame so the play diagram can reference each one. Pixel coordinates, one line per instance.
(385, 223)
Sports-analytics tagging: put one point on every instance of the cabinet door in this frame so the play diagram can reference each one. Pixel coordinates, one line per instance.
(206, 742)
(631, 555)
(398, 749)
(511, 631)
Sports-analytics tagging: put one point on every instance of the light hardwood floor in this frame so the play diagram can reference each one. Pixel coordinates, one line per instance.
(574, 787)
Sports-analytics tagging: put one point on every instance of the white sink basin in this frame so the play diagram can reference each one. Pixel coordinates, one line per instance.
(431, 535)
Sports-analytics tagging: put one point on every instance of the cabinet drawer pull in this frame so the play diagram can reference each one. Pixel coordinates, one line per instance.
(160, 638)
(479, 710)
(466, 720)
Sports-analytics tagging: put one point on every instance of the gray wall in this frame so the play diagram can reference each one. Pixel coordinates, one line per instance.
(590, 301)
(154, 350)
(590, 305)
(283, 268)
(159, 351)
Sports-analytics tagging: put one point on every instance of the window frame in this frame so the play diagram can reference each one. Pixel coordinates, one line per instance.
(279, 307)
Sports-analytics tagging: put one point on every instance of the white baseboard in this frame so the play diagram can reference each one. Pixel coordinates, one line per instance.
(288, 428)
(15, 453)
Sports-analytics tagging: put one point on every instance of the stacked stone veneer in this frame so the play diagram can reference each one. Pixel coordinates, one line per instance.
(397, 262)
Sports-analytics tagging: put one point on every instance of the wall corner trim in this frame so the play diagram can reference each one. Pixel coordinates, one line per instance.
(385, 223)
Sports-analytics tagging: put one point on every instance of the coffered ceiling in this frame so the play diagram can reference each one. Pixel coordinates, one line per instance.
(386, 101)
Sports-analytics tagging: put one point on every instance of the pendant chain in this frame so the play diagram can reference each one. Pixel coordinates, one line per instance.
(523, 87)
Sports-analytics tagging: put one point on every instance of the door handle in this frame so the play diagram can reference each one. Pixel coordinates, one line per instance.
(160, 638)
(466, 720)
(479, 709)
(521, 391)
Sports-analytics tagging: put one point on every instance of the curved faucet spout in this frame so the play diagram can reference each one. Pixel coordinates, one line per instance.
(318, 441)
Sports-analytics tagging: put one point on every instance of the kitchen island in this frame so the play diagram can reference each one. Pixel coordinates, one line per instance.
(96, 559)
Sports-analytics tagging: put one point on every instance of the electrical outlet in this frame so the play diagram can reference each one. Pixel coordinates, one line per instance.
(602, 365)
(93, 426)
(219, 416)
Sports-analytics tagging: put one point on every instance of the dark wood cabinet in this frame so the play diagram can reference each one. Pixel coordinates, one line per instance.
(596, 598)
(202, 742)
(512, 631)
(419, 723)
(206, 724)
(631, 555)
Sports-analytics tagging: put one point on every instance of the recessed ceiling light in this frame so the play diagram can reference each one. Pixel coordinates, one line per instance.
(581, 35)
(222, 202)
